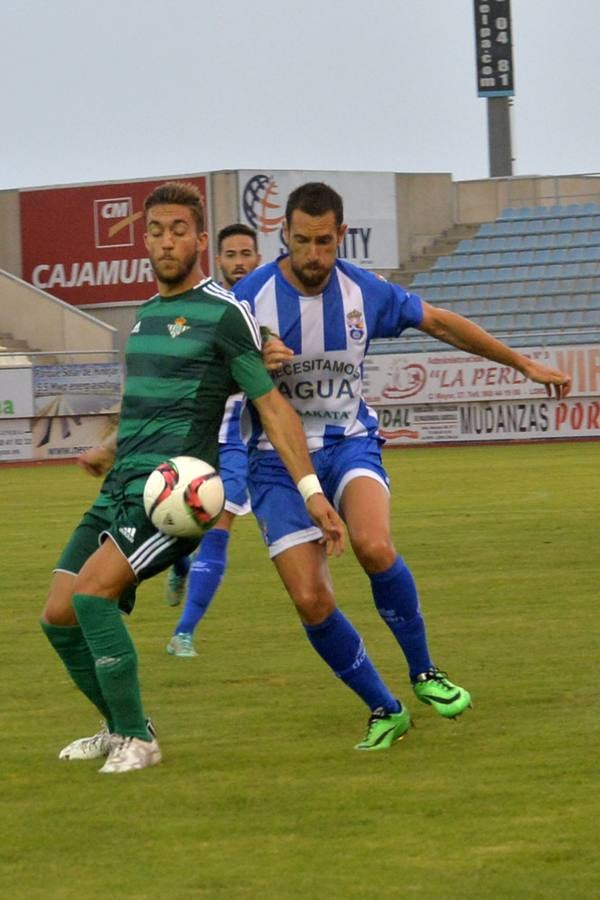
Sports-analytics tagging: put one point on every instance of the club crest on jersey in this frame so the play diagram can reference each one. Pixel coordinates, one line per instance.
(356, 325)
(178, 326)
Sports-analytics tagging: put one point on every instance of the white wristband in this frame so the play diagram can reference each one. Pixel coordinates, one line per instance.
(308, 486)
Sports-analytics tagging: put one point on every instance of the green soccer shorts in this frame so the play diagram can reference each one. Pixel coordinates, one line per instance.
(124, 521)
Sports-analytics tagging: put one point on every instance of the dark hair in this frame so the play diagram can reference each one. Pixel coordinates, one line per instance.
(236, 228)
(315, 199)
(181, 193)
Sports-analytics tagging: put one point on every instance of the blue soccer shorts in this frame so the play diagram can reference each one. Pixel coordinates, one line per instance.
(280, 510)
(233, 469)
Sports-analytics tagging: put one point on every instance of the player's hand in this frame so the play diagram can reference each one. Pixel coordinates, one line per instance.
(96, 461)
(324, 515)
(275, 353)
(557, 382)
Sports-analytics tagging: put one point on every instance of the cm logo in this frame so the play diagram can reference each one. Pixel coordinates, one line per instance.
(113, 222)
(115, 209)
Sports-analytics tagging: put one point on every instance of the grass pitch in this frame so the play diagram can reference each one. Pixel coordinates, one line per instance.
(260, 794)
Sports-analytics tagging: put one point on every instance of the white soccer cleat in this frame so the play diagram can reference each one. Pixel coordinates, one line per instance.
(93, 747)
(130, 753)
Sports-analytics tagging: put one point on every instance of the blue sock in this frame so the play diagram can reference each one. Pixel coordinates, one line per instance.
(206, 573)
(397, 602)
(340, 645)
(182, 566)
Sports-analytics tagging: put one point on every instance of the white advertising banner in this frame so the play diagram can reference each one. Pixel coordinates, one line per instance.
(77, 388)
(15, 440)
(509, 420)
(64, 437)
(455, 377)
(369, 211)
(16, 392)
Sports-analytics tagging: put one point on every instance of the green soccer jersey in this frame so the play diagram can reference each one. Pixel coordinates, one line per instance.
(185, 355)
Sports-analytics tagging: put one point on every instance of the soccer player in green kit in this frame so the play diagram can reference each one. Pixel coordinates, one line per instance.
(192, 346)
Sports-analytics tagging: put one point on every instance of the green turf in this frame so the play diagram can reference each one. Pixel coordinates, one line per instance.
(261, 794)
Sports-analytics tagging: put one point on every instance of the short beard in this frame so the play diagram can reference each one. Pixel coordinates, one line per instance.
(310, 279)
(231, 282)
(183, 270)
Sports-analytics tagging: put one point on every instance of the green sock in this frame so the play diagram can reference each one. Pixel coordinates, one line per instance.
(115, 660)
(71, 646)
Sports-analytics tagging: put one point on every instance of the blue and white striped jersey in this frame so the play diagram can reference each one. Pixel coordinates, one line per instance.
(330, 335)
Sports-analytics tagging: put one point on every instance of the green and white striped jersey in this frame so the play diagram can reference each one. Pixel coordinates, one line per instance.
(185, 355)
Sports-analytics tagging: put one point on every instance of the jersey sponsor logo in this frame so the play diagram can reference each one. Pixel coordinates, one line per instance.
(356, 324)
(128, 533)
(178, 326)
(325, 389)
(136, 328)
(337, 366)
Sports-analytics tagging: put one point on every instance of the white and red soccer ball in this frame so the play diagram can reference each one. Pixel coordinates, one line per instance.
(183, 496)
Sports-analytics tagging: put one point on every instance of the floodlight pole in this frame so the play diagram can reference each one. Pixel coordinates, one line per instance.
(499, 136)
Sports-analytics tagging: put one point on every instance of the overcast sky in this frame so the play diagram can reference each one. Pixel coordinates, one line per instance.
(120, 89)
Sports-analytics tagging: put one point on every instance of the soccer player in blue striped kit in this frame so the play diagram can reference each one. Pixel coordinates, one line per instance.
(326, 311)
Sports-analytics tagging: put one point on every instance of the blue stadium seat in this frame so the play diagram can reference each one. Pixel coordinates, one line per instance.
(534, 268)
(421, 278)
(591, 317)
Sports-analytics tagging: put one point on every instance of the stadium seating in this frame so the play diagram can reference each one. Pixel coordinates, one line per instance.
(532, 278)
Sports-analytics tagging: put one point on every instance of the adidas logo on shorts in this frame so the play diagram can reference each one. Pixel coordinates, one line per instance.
(128, 533)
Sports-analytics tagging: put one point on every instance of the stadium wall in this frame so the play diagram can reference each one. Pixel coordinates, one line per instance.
(424, 206)
(10, 233)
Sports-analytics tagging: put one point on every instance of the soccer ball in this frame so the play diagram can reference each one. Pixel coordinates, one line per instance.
(183, 496)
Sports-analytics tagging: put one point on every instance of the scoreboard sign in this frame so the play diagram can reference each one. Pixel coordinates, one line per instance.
(493, 42)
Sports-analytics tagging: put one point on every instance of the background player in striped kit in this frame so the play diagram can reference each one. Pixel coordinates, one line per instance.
(327, 311)
(191, 345)
(238, 255)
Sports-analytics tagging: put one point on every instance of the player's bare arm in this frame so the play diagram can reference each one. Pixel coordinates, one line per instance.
(284, 429)
(466, 335)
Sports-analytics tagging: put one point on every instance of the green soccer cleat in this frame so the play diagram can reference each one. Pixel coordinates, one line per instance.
(384, 728)
(175, 588)
(434, 688)
(181, 644)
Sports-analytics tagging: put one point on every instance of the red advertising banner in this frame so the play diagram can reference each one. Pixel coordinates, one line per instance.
(85, 244)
